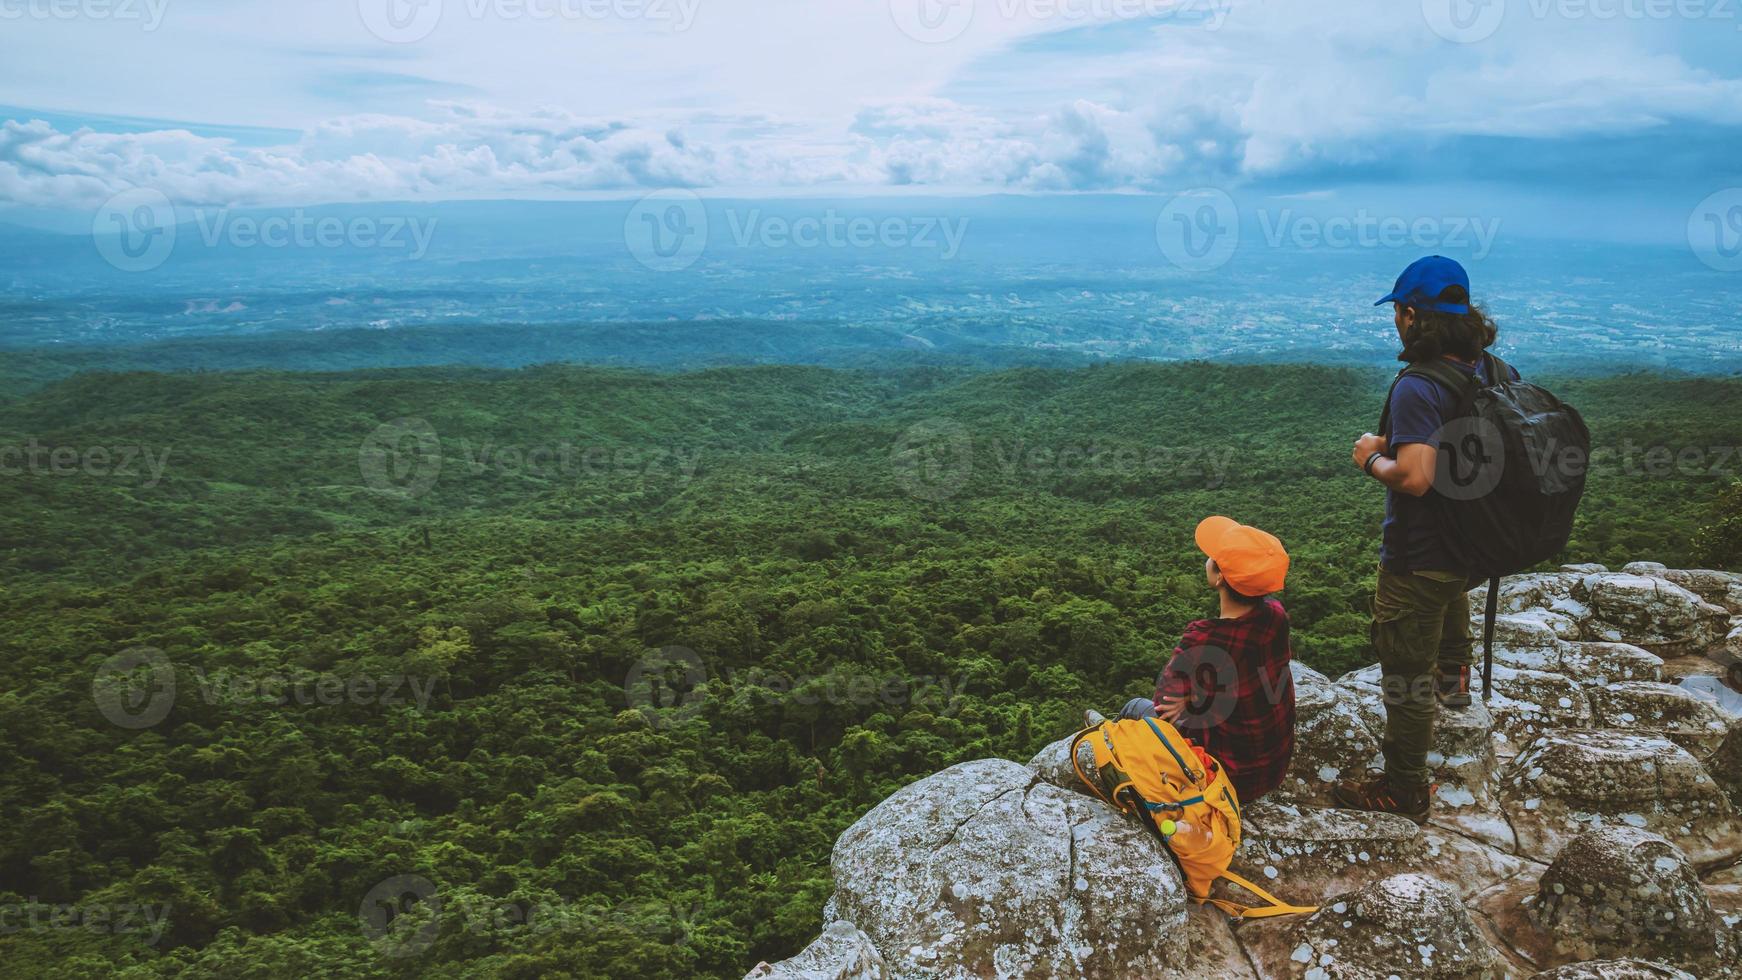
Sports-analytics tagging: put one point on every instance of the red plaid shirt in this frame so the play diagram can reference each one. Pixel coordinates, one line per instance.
(1233, 675)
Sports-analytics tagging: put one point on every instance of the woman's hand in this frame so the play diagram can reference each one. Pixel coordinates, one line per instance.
(1170, 709)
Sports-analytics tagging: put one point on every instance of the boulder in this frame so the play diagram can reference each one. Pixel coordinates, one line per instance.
(1333, 738)
(1597, 664)
(842, 952)
(1530, 591)
(1584, 568)
(1718, 588)
(1301, 854)
(984, 869)
(1053, 764)
(1407, 925)
(1567, 782)
(1629, 969)
(1625, 891)
(1650, 612)
(1527, 703)
(1689, 720)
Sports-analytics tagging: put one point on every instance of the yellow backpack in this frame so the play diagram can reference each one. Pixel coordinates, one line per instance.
(1147, 768)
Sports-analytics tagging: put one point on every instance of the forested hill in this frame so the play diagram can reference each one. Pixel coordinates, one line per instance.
(946, 564)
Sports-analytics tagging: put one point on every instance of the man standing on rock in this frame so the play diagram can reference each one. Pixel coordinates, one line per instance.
(1421, 608)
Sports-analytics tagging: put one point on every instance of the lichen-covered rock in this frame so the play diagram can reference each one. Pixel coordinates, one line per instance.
(1628, 969)
(1333, 738)
(1408, 925)
(1565, 783)
(1301, 854)
(842, 952)
(1718, 588)
(1535, 590)
(1621, 890)
(1526, 703)
(1693, 722)
(1053, 764)
(1597, 664)
(984, 869)
(1650, 612)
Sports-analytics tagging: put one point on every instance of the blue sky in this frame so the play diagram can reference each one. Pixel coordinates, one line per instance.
(1632, 105)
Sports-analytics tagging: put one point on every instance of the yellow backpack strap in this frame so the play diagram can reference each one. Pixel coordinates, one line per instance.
(1092, 784)
(1275, 907)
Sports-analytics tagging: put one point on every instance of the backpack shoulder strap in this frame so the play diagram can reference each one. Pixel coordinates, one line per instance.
(1499, 372)
(1273, 906)
(1459, 383)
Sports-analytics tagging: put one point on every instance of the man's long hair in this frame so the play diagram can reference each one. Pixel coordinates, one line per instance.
(1464, 335)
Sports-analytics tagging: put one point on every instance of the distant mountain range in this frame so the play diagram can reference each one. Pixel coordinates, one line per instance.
(675, 282)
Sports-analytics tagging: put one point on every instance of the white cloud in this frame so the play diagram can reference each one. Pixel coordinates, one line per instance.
(792, 96)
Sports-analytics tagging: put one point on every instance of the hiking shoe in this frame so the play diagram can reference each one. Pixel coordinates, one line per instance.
(1453, 686)
(1378, 795)
(1093, 718)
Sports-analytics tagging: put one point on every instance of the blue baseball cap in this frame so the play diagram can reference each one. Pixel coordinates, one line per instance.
(1421, 284)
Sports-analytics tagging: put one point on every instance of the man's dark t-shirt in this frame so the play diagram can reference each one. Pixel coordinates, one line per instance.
(1410, 540)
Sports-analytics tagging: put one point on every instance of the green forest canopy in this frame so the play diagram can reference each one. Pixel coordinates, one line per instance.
(657, 638)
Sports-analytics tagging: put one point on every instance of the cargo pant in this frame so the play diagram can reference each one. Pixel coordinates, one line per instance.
(1419, 619)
